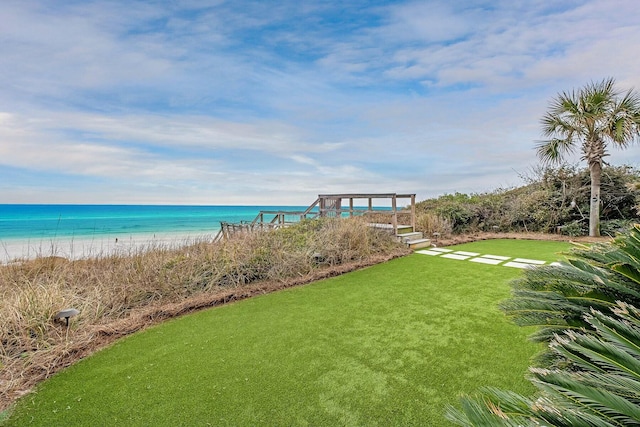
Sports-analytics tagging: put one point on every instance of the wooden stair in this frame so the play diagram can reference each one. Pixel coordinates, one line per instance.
(413, 239)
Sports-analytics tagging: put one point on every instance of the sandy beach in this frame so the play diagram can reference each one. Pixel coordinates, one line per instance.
(12, 250)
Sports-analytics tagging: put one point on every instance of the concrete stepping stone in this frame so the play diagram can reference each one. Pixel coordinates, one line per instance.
(529, 261)
(516, 264)
(455, 256)
(498, 257)
(429, 252)
(484, 260)
(466, 253)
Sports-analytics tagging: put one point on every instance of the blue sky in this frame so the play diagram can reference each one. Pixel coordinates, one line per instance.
(274, 102)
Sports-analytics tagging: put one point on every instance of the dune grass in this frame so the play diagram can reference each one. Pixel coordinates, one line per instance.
(389, 345)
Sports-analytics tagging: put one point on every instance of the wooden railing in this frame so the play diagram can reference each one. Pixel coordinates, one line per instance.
(331, 205)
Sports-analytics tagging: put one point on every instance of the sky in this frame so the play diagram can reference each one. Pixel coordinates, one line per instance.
(274, 102)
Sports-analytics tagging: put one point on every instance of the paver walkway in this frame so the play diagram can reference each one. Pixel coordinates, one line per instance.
(483, 259)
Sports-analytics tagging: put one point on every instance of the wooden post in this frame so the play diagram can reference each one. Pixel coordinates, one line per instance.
(395, 214)
(413, 212)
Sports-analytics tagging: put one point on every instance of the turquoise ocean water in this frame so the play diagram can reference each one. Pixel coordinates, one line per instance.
(33, 222)
(76, 231)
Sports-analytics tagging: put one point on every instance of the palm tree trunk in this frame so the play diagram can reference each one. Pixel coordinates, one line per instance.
(595, 171)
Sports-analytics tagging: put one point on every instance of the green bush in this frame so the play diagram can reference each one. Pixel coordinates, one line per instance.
(575, 229)
(553, 197)
(614, 226)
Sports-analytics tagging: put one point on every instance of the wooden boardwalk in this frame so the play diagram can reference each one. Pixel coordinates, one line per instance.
(386, 210)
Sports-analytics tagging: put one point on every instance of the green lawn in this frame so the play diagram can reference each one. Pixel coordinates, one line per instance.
(387, 345)
(532, 249)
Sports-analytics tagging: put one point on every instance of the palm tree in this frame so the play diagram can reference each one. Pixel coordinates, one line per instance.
(595, 116)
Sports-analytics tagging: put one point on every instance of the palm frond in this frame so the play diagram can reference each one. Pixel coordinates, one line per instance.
(494, 407)
(594, 353)
(594, 343)
(625, 118)
(623, 334)
(554, 150)
(621, 385)
(551, 297)
(600, 386)
(592, 116)
(595, 403)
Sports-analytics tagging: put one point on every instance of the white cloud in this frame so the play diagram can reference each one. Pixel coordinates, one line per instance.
(427, 22)
(243, 102)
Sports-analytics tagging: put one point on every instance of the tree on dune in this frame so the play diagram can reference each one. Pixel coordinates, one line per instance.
(594, 117)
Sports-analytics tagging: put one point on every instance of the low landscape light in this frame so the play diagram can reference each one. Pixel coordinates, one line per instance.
(66, 314)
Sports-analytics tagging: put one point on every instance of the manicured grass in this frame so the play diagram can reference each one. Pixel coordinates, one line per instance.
(388, 345)
(532, 249)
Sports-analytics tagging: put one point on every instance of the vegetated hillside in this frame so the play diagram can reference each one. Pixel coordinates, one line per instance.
(552, 198)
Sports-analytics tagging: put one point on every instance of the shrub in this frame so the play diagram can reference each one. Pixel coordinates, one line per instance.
(552, 197)
(575, 228)
(614, 227)
(429, 223)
